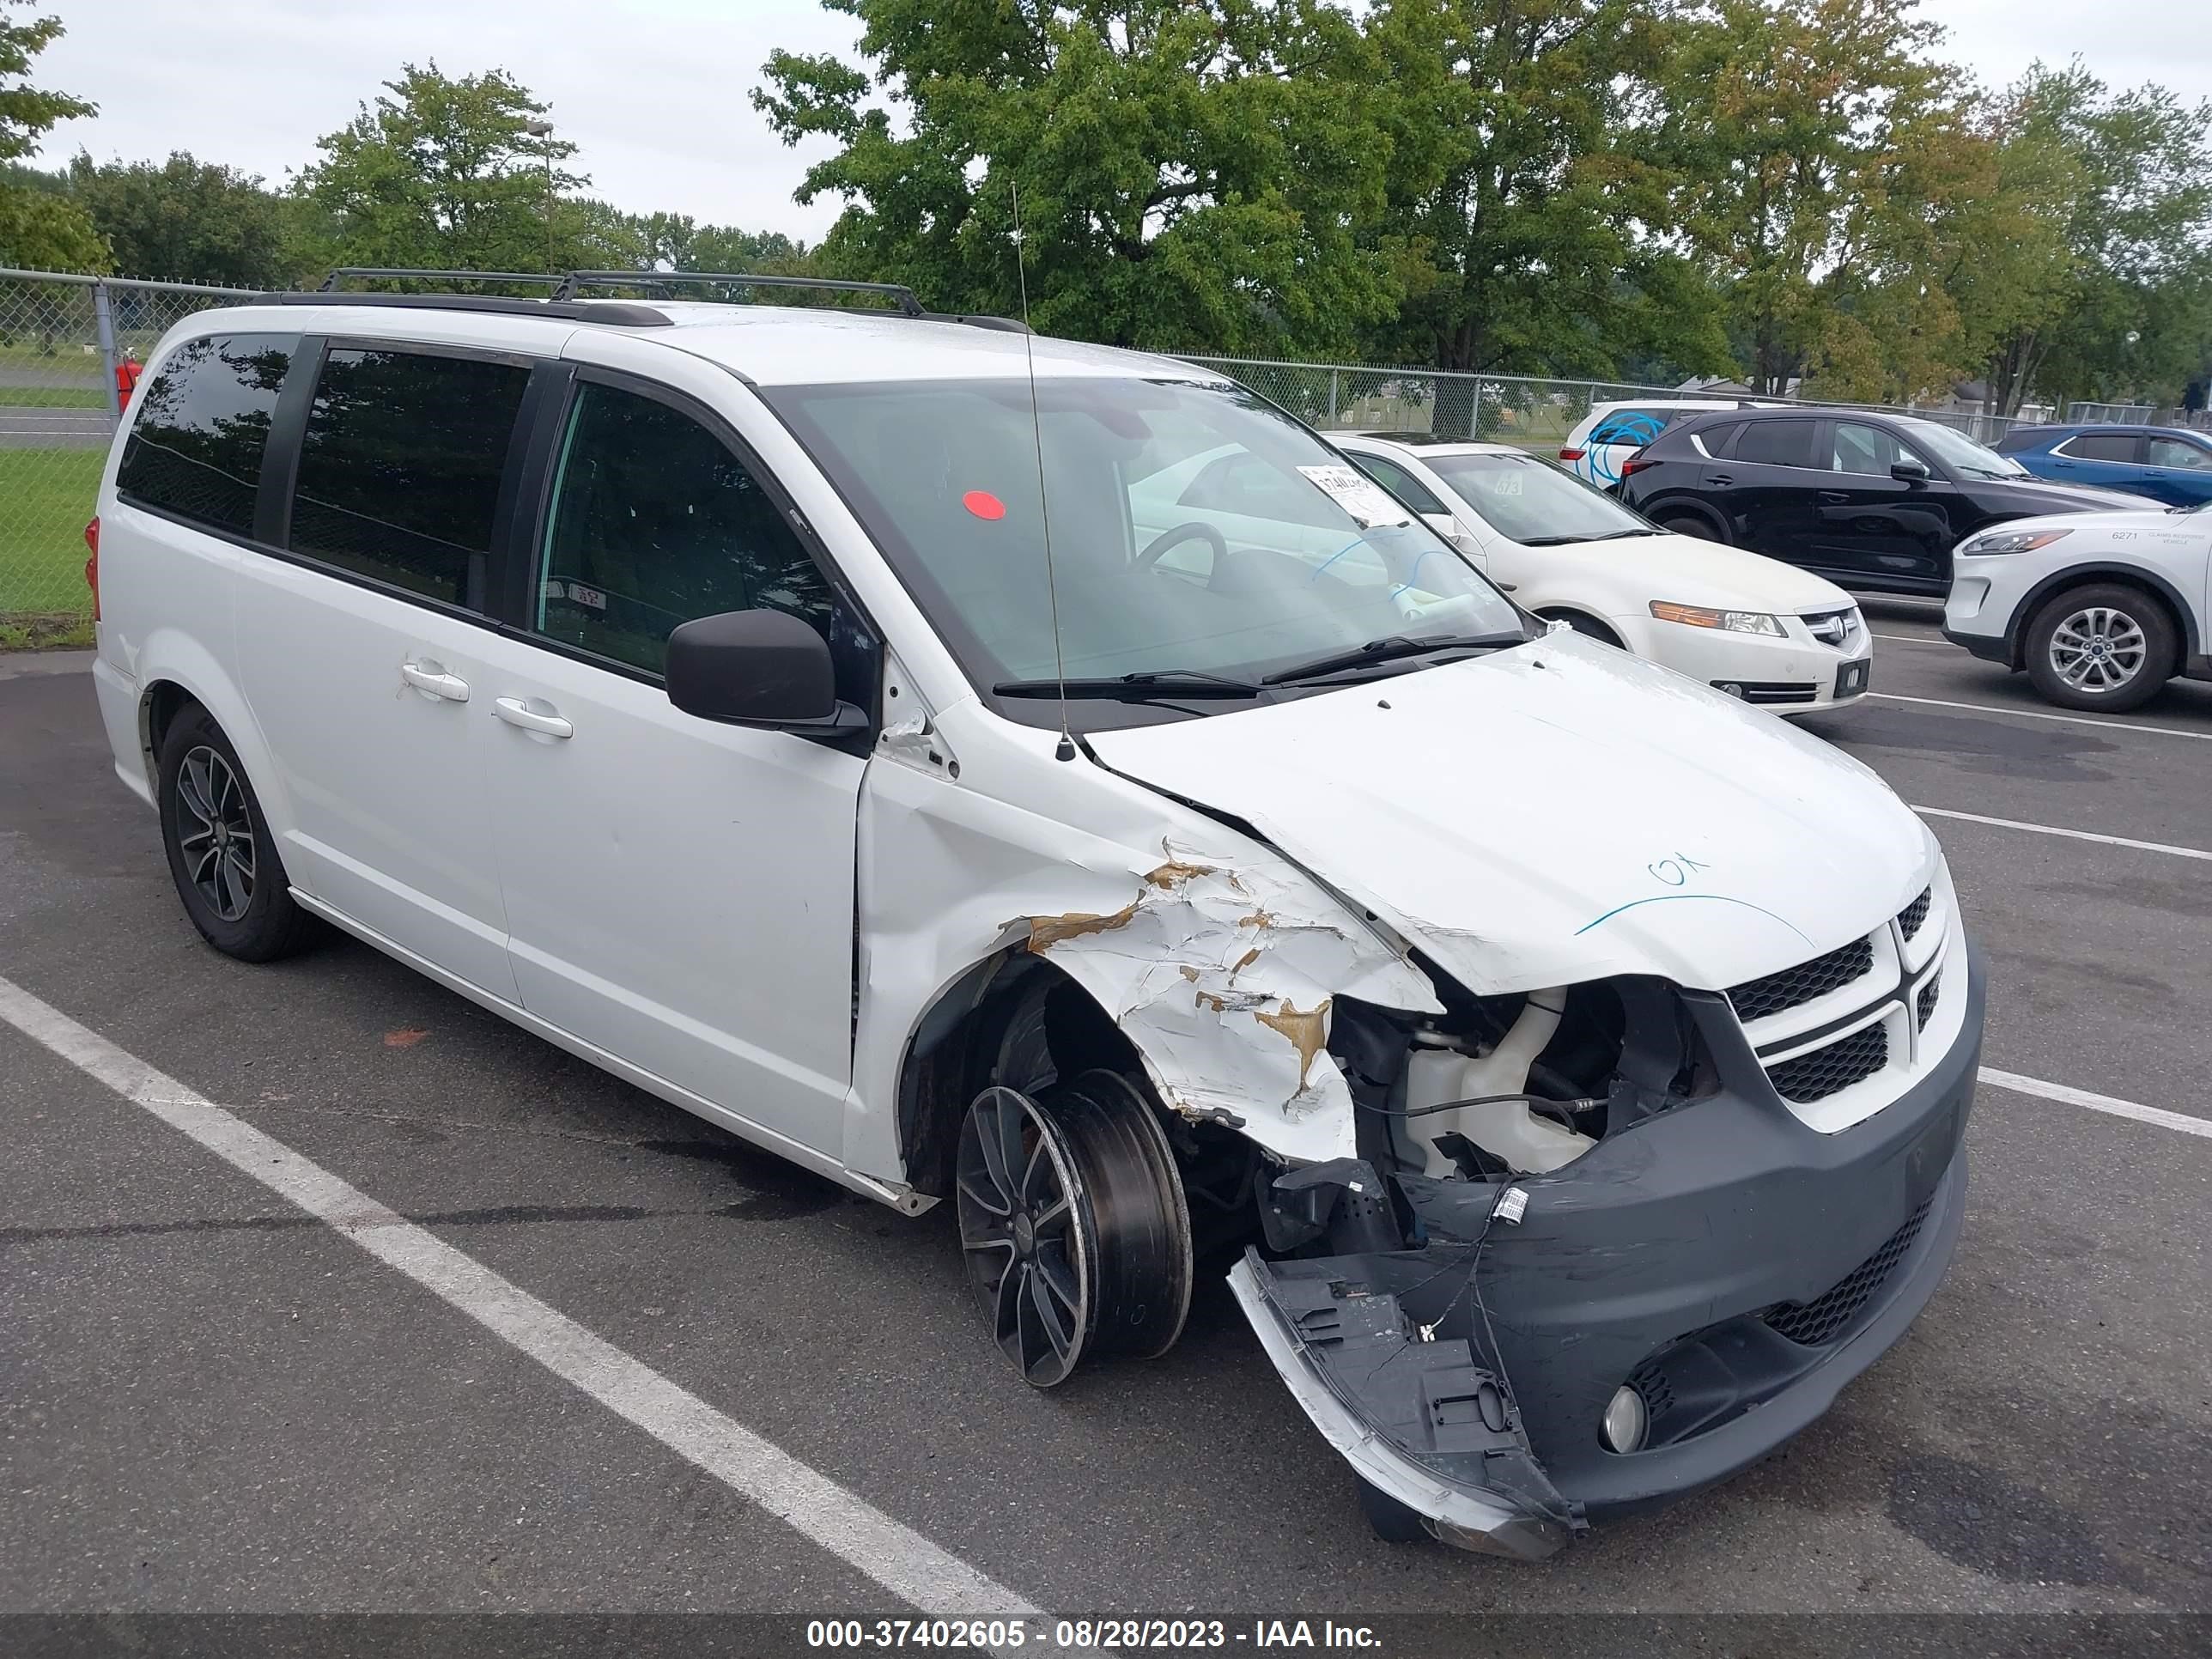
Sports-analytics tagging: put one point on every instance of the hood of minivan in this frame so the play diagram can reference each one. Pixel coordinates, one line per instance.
(1558, 813)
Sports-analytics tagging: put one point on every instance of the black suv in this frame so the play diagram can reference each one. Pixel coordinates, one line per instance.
(1873, 502)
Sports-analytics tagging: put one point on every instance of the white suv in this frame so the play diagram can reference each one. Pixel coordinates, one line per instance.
(1599, 447)
(696, 686)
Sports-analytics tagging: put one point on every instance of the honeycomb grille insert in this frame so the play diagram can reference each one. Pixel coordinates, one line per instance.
(1813, 1324)
(1756, 998)
(1909, 918)
(1824, 1071)
(1925, 1009)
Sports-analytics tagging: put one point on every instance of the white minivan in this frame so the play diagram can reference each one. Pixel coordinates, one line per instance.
(1047, 780)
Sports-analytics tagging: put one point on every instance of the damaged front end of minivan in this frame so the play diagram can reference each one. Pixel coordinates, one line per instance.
(1530, 1258)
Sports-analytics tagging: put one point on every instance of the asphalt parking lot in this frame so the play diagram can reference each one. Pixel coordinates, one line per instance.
(210, 1401)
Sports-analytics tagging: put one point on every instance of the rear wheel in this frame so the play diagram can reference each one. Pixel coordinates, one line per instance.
(1074, 1225)
(1690, 524)
(2103, 645)
(220, 856)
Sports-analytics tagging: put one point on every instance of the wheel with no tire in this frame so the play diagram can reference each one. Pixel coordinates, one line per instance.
(1074, 1225)
(220, 856)
(1587, 627)
(2106, 646)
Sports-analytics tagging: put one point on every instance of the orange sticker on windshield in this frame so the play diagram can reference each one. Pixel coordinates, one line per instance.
(983, 504)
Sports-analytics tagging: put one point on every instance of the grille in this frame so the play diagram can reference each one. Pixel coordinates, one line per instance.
(1811, 1324)
(1658, 1393)
(1909, 918)
(1755, 999)
(1831, 627)
(1926, 1007)
(1769, 690)
(1817, 1075)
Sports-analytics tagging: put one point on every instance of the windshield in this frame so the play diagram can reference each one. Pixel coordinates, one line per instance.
(1961, 453)
(1533, 502)
(1195, 530)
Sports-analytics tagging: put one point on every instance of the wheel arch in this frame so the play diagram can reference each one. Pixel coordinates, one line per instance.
(1687, 507)
(174, 669)
(2178, 610)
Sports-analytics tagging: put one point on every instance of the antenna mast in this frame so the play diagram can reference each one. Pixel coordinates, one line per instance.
(1066, 750)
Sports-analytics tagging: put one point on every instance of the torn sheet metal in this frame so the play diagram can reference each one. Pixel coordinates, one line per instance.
(1223, 974)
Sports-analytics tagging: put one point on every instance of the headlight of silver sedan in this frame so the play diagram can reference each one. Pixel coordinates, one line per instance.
(1735, 621)
(2009, 541)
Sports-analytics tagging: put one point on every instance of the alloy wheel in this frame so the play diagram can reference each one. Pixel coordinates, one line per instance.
(1025, 1230)
(215, 833)
(2098, 648)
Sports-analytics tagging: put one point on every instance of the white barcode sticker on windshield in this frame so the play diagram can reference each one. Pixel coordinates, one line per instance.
(1369, 505)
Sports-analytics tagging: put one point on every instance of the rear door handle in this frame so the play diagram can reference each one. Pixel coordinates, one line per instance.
(1834, 496)
(515, 712)
(1722, 480)
(450, 687)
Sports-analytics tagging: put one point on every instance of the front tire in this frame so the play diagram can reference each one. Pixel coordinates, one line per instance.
(220, 856)
(2101, 647)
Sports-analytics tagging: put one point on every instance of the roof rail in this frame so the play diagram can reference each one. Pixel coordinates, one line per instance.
(614, 312)
(897, 293)
(333, 283)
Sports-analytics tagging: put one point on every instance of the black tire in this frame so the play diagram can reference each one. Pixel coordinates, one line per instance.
(1690, 524)
(220, 856)
(2102, 646)
(1392, 1521)
(1589, 627)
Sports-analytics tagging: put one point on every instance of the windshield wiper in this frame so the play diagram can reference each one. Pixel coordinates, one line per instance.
(1180, 682)
(1386, 650)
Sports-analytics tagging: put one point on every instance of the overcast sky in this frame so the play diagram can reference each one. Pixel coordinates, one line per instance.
(654, 92)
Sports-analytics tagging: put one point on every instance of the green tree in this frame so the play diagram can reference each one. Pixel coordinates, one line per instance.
(2127, 179)
(1522, 188)
(441, 174)
(38, 228)
(1821, 163)
(183, 219)
(1191, 172)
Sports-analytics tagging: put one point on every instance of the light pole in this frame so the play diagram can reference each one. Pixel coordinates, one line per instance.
(542, 129)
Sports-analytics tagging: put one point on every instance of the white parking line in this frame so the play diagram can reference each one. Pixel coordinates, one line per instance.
(900, 1559)
(2037, 714)
(2059, 1091)
(2070, 835)
(1914, 639)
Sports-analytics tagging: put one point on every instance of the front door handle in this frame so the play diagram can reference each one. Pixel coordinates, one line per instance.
(434, 682)
(515, 712)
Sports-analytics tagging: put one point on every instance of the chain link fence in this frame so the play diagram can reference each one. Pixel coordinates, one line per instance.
(1532, 413)
(61, 337)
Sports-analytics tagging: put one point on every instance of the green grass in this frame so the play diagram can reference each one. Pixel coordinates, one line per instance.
(45, 496)
(53, 397)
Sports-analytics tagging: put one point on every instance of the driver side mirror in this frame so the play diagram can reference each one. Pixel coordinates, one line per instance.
(760, 668)
(1908, 471)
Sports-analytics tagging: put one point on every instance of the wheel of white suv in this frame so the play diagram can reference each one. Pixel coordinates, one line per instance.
(220, 856)
(2104, 645)
(1074, 1223)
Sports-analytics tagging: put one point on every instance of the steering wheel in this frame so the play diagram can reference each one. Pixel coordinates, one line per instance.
(1192, 530)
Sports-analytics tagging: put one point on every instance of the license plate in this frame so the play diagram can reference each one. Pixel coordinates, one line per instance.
(1851, 678)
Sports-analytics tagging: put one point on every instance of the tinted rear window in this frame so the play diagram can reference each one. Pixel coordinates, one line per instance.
(400, 465)
(1776, 443)
(196, 447)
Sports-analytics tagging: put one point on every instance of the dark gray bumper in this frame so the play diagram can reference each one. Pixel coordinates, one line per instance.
(1734, 1266)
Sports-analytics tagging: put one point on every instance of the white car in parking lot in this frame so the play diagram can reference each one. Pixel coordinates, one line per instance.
(1051, 782)
(1598, 447)
(1750, 626)
(2100, 608)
